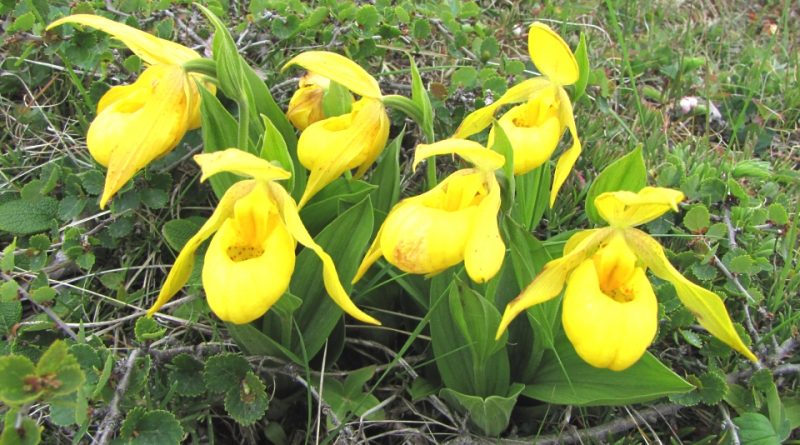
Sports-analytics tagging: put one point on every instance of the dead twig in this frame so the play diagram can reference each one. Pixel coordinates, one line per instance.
(111, 420)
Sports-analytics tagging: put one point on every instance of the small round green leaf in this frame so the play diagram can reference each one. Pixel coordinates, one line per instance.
(16, 373)
(29, 433)
(224, 371)
(157, 427)
(247, 402)
(187, 374)
(147, 329)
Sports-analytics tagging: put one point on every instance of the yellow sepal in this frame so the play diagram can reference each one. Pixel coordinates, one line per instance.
(482, 117)
(151, 49)
(471, 151)
(340, 69)
(551, 55)
(239, 162)
(629, 209)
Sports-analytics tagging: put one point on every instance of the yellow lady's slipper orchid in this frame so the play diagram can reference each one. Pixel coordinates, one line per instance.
(139, 123)
(610, 311)
(250, 259)
(535, 127)
(329, 147)
(305, 106)
(453, 222)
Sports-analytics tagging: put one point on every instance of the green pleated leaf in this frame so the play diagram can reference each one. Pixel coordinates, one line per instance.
(528, 257)
(532, 196)
(503, 146)
(468, 358)
(489, 415)
(387, 179)
(274, 148)
(331, 201)
(255, 342)
(564, 378)
(420, 97)
(318, 315)
(582, 57)
(219, 132)
(337, 100)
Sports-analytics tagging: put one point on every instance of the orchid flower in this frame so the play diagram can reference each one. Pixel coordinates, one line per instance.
(610, 312)
(535, 127)
(453, 222)
(139, 123)
(251, 257)
(332, 146)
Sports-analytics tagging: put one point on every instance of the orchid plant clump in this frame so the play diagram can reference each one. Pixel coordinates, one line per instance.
(313, 224)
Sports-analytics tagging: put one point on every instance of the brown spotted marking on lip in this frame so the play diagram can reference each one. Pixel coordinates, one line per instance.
(244, 253)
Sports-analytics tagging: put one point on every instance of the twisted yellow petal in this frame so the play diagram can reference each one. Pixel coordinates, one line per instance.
(148, 47)
(340, 69)
(374, 253)
(551, 55)
(707, 306)
(485, 250)
(471, 151)
(550, 280)
(239, 162)
(609, 332)
(482, 117)
(294, 224)
(182, 268)
(568, 158)
(629, 209)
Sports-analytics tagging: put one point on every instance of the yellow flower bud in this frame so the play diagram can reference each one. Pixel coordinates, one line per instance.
(305, 106)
